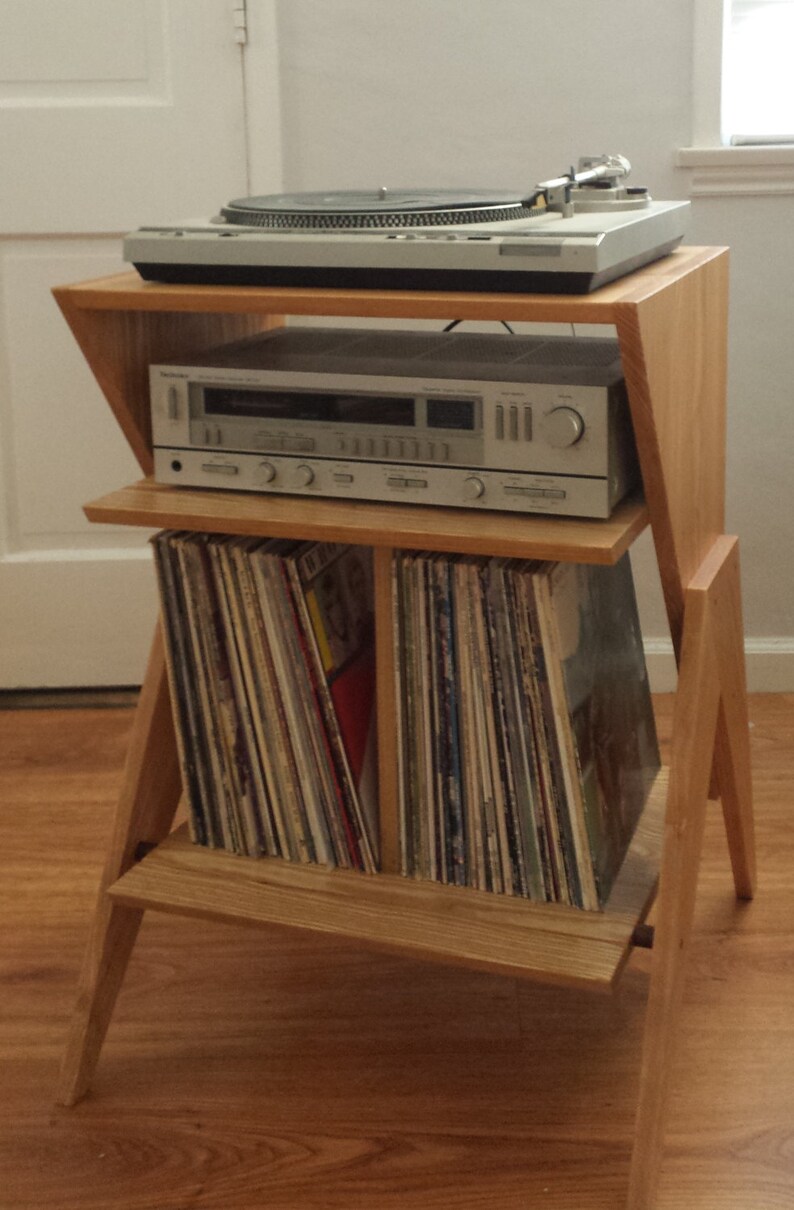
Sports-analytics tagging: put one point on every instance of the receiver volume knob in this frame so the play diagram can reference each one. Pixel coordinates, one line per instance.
(562, 427)
(473, 488)
(304, 475)
(267, 472)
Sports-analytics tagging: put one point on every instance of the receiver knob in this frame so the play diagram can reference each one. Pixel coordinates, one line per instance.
(304, 475)
(562, 427)
(473, 488)
(267, 472)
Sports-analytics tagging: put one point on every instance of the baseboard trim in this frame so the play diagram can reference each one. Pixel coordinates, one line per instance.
(769, 662)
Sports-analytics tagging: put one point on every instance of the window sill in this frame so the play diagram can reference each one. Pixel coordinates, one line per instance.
(722, 171)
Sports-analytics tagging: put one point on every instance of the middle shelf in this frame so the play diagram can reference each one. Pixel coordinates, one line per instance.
(411, 526)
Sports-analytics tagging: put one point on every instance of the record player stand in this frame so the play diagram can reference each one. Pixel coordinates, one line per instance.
(671, 321)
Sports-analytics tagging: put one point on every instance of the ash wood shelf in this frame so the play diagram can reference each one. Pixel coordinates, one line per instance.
(422, 919)
(413, 527)
(671, 323)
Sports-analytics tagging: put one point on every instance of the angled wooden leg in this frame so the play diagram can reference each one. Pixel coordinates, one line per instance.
(733, 728)
(694, 731)
(150, 792)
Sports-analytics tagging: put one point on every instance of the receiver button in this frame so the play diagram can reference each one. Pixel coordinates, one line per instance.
(473, 488)
(266, 472)
(220, 468)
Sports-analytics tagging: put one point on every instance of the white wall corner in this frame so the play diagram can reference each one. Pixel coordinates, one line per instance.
(708, 40)
(262, 76)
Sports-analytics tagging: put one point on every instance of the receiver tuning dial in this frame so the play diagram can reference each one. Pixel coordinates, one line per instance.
(562, 427)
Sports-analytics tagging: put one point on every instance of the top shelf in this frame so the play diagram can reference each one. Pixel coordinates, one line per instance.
(128, 292)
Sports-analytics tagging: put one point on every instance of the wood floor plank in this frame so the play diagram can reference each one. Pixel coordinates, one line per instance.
(245, 1069)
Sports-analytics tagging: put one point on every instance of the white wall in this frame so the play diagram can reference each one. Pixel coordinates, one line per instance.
(501, 93)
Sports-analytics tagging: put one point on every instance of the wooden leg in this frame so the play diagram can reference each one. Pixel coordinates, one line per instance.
(733, 727)
(150, 792)
(694, 731)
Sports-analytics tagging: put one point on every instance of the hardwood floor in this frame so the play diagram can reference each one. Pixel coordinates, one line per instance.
(246, 1069)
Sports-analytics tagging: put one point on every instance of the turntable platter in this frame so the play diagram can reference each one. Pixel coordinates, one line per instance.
(381, 208)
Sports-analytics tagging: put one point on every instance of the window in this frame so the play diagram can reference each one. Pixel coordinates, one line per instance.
(743, 100)
(757, 76)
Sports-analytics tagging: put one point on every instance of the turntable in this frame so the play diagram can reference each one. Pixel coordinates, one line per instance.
(569, 235)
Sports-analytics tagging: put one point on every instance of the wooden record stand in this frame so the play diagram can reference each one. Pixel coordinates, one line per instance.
(671, 321)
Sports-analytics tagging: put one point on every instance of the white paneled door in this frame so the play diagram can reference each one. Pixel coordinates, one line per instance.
(112, 115)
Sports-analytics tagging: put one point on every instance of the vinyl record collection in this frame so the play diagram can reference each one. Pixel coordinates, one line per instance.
(271, 657)
(527, 743)
(525, 734)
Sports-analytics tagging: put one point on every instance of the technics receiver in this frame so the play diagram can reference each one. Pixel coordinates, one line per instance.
(529, 424)
(568, 235)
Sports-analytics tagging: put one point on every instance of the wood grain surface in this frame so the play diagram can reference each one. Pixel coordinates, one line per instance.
(247, 1069)
(371, 523)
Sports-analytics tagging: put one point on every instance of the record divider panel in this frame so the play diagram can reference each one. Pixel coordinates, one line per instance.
(671, 323)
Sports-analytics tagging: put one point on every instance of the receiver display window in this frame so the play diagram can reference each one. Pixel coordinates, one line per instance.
(450, 413)
(308, 405)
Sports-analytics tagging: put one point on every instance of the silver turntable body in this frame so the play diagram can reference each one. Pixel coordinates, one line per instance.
(569, 235)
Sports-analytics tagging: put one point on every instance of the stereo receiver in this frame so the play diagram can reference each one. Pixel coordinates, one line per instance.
(530, 424)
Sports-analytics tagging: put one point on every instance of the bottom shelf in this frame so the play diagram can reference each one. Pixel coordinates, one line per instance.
(499, 933)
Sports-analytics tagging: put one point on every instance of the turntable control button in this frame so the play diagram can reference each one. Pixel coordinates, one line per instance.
(304, 475)
(473, 488)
